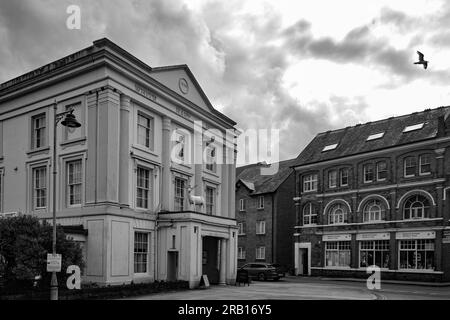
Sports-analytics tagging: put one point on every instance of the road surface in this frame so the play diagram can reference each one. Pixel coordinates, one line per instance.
(307, 289)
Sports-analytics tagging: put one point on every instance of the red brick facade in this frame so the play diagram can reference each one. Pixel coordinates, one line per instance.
(400, 222)
(278, 214)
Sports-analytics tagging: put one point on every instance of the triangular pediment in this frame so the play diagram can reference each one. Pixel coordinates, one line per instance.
(181, 80)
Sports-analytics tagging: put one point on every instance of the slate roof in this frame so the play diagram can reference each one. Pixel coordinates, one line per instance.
(352, 140)
(263, 183)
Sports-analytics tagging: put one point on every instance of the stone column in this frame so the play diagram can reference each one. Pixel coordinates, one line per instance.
(166, 148)
(223, 264)
(124, 151)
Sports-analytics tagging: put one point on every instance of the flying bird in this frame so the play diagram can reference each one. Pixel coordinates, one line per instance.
(421, 60)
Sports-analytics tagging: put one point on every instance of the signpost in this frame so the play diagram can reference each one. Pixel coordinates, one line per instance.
(54, 262)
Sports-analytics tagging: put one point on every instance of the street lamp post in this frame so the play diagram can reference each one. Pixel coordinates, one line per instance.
(71, 122)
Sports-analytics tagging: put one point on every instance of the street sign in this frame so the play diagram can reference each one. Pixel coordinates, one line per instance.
(54, 262)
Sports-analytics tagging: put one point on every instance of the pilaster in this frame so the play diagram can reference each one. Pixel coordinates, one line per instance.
(124, 151)
(166, 147)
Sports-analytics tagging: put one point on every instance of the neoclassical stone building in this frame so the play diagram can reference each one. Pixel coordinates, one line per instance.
(376, 194)
(126, 177)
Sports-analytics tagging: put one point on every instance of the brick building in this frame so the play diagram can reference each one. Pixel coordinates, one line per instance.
(265, 215)
(376, 194)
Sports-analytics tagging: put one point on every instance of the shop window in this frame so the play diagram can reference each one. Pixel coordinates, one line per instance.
(374, 253)
(337, 254)
(416, 254)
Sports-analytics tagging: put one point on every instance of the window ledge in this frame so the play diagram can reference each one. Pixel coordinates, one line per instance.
(69, 143)
(145, 149)
(75, 206)
(214, 174)
(141, 275)
(382, 269)
(182, 165)
(417, 271)
(365, 269)
(425, 174)
(309, 192)
(33, 152)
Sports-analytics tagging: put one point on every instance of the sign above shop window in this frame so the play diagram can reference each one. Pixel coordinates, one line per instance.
(337, 237)
(373, 236)
(415, 235)
(446, 237)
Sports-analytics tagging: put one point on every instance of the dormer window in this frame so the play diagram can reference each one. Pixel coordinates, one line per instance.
(330, 147)
(413, 127)
(375, 136)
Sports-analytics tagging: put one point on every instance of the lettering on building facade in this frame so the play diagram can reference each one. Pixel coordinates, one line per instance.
(145, 92)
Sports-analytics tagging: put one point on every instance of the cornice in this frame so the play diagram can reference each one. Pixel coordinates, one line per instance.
(103, 53)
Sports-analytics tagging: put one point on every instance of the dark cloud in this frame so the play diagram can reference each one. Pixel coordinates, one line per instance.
(239, 57)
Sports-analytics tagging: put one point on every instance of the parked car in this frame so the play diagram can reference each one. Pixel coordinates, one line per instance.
(280, 269)
(262, 271)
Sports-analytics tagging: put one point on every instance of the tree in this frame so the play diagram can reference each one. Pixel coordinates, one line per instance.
(24, 244)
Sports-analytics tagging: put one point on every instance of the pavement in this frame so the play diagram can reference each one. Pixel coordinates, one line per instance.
(306, 288)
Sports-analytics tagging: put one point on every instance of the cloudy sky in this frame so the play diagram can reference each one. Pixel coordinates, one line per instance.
(299, 66)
